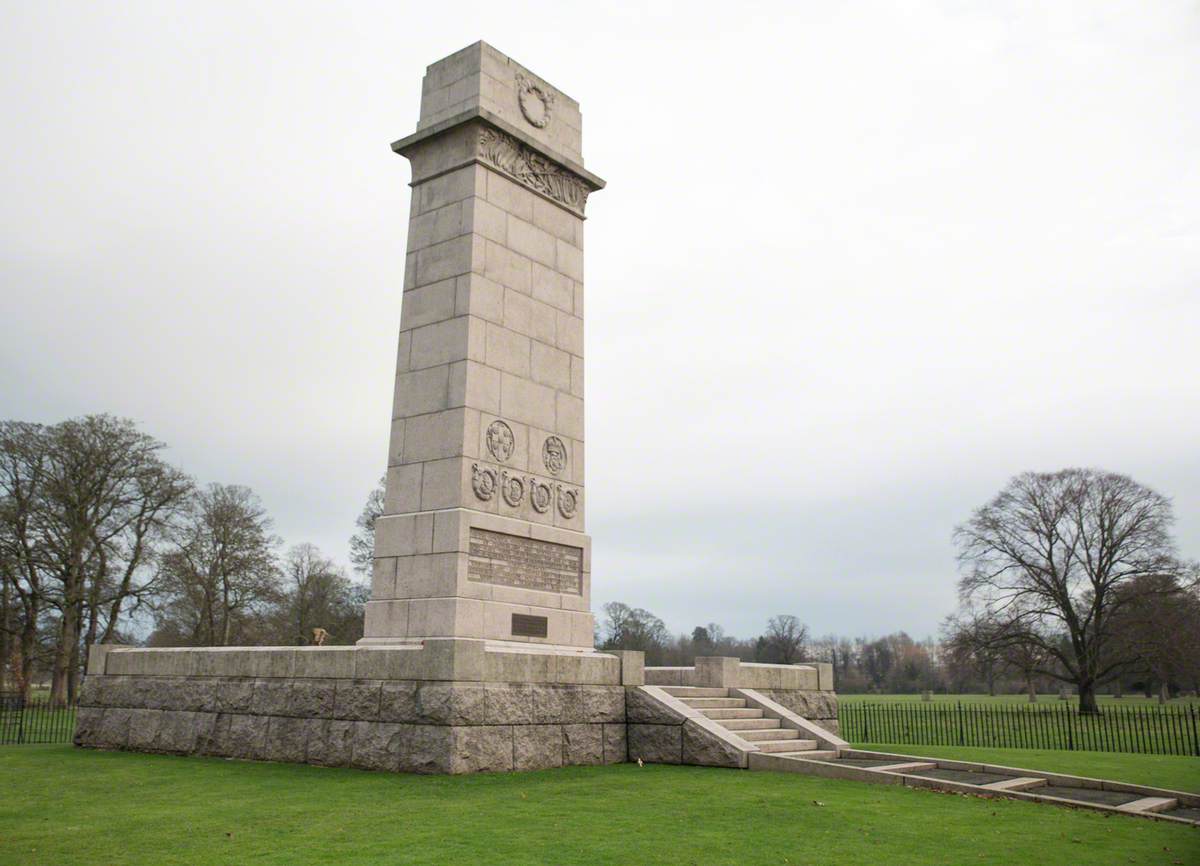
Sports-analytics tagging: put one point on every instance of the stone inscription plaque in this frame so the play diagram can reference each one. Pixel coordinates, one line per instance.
(510, 560)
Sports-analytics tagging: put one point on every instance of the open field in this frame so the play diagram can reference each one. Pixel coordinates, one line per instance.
(1160, 771)
(82, 807)
(1021, 700)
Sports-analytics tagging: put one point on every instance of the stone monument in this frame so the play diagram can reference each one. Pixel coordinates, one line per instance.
(477, 650)
(482, 533)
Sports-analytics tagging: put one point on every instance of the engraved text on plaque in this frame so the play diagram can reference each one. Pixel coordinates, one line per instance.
(512, 560)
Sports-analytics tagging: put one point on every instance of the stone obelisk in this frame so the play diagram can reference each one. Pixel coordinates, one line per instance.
(482, 535)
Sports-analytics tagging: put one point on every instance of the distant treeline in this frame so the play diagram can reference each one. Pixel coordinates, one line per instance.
(102, 540)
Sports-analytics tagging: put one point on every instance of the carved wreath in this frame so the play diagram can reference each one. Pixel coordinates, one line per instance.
(512, 489)
(536, 101)
(568, 502)
(539, 496)
(483, 481)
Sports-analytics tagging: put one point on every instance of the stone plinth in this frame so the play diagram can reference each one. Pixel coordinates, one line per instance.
(447, 707)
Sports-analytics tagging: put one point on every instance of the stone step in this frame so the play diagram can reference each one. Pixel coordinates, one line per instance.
(720, 714)
(810, 755)
(758, 736)
(713, 703)
(907, 766)
(695, 692)
(749, 724)
(788, 762)
(1017, 783)
(775, 746)
(1150, 804)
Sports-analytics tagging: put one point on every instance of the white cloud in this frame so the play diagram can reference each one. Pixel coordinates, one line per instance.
(856, 265)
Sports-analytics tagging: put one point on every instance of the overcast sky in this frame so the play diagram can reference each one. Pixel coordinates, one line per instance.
(856, 266)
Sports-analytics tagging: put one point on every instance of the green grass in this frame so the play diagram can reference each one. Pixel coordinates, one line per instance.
(68, 806)
(1160, 771)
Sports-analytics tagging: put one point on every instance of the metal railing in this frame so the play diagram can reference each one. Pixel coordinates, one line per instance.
(33, 720)
(1149, 730)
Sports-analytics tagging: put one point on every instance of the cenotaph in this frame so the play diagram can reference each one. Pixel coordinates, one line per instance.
(478, 640)
(482, 533)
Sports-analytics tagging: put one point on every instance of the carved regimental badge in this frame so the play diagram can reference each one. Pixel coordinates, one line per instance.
(500, 440)
(568, 501)
(512, 489)
(483, 482)
(540, 495)
(554, 455)
(536, 101)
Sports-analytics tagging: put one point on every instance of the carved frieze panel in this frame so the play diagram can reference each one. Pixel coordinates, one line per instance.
(525, 165)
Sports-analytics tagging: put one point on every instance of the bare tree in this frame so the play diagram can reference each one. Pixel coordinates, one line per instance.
(785, 638)
(972, 642)
(1157, 630)
(362, 543)
(22, 560)
(318, 595)
(220, 570)
(1054, 556)
(632, 628)
(85, 503)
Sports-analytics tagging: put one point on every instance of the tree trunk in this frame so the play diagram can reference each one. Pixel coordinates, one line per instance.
(73, 661)
(68, 648)
(1164, 693)
(1118, 690)
(1087, 698)
(5, 635)
(1031, 689)
(28, 642)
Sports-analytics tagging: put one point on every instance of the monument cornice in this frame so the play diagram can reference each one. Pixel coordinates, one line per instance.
(504, 148)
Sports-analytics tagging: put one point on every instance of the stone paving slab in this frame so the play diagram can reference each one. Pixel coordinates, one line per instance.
(1087, 795)
(963, 776)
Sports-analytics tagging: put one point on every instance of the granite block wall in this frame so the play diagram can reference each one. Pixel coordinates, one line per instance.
(399, 726)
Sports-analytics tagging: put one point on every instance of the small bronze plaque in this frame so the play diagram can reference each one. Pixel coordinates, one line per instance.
(524, 625)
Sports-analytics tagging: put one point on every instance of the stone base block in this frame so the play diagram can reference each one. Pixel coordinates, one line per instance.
(414, 726)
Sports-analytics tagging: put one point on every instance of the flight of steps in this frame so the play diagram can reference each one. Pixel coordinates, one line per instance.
(746, 722)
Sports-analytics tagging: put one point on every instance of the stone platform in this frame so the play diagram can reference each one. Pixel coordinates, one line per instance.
(447, 706)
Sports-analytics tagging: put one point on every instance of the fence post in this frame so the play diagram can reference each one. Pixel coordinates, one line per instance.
(961, 738)
(21, 720)
(1195, 739)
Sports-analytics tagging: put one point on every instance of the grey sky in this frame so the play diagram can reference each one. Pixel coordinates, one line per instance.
(857, 264)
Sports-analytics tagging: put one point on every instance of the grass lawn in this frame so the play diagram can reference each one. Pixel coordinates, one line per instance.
(1160, 771)
(69, 806)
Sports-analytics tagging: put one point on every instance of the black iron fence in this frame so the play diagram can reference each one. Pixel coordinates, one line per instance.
(33, 720)
(1150, 730)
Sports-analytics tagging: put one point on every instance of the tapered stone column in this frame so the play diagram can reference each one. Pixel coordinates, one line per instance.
(482, 534)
